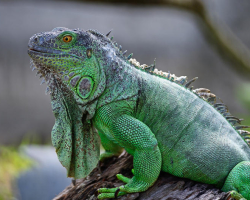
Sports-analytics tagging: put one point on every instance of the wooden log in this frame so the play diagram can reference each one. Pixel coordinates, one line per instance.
(167, 186)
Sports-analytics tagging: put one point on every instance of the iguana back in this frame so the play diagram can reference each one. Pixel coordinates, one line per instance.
(192, 135)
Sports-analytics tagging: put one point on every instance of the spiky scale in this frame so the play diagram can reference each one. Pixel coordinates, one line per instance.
(241, 126)
(222, 110)
(204, 94)
(108, 33)
(189, 82)
(207, 95)
(47, 90)
(233, 121)
(221, 107)
(168, 77)
(150, 67)
(234, 118)
(179, 79)
(42, 82)
(130, 56)
(226, 114)
(183, 81)
(201, 90)
(211, 99)
(243, 132)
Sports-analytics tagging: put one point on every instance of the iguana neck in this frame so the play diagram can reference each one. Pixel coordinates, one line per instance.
(88, 108)
(121, 81)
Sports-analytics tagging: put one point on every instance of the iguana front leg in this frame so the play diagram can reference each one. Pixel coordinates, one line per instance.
(139, 141)
(111, 148)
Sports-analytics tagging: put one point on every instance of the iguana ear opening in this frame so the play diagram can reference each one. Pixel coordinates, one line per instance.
(75, 139)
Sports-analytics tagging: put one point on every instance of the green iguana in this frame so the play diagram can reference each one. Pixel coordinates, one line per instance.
(153, 115)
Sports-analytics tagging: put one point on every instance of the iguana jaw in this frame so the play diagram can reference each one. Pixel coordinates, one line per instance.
(36, 51)
(41, 50)
(52, 61)
(43, 54)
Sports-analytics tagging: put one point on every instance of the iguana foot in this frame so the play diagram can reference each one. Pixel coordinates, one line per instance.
(236, 195)
(132, 186)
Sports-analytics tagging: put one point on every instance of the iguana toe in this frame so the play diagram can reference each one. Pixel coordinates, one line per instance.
(123, 178)
(110, 193)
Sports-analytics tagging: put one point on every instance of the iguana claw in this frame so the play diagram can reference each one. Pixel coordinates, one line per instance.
(116, 192)
(113, 192)
(110, 193)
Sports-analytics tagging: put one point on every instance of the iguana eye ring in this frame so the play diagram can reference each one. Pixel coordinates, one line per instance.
(89, 52)
(67, 38)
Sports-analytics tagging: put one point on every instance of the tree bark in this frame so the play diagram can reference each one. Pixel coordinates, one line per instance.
(167, 186)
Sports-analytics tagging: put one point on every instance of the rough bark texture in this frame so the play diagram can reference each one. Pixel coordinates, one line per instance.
(166, 187)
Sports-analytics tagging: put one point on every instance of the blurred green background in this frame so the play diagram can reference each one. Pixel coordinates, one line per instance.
(181, 42)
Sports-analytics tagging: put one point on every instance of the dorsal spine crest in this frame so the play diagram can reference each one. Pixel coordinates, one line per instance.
(157, 72)
(202, 93)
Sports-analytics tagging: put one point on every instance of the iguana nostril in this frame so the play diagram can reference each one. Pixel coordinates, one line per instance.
(41, 40)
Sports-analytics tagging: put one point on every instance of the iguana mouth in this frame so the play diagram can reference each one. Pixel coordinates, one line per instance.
(37, 49)
(31, 49)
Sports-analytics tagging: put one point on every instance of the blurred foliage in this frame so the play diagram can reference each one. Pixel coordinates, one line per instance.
(244, 94)
(33, 138)
(246, 122)
(12, 163)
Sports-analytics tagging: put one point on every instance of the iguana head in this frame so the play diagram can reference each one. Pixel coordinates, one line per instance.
(70, 55)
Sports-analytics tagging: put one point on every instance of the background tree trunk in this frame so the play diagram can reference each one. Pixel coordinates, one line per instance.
(166, 187)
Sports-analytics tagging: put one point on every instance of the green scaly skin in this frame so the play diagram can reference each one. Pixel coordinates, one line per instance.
(150, 114)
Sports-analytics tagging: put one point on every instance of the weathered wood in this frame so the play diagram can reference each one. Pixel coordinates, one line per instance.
(167, 187)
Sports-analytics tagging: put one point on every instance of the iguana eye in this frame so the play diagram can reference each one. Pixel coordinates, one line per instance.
(67, 38)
